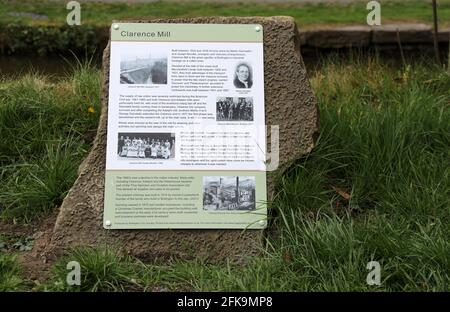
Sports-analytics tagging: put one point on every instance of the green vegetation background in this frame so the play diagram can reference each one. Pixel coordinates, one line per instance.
(306, 14)
(40, 27)
(376, 187)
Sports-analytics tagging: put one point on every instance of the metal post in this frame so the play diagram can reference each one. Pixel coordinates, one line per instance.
(435, 33)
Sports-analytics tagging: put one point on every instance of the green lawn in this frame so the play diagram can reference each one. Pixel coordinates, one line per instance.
(24, 33)
(376, 187)
(104, 13)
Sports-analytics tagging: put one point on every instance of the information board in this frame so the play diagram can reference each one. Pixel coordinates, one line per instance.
(186, 140)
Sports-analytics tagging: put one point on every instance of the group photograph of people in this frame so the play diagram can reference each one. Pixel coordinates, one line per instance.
(146, 145)
(234, 109)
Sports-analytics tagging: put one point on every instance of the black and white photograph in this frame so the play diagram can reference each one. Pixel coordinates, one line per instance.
(234, 109)
(228, 193)
(159, 146)
(143, 67)
(243, 76)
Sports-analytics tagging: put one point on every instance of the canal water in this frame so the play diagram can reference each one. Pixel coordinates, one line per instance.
(58, 67)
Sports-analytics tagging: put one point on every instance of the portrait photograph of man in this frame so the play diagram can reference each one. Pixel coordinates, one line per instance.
(243, 76)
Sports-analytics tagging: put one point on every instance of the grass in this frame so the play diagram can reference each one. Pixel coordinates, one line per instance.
(46, 130)
(307, 14)
(102, 270)
(10, 273)
(40, 27)
(376, 187)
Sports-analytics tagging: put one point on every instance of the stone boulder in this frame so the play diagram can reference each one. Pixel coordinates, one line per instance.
(289, 103)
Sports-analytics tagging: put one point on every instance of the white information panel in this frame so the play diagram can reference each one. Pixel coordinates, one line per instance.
(186, 133)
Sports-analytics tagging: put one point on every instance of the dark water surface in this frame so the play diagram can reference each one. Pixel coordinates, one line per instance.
(59, 67)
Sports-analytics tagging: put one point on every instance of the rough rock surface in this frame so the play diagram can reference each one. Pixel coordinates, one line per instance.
(290, 103)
